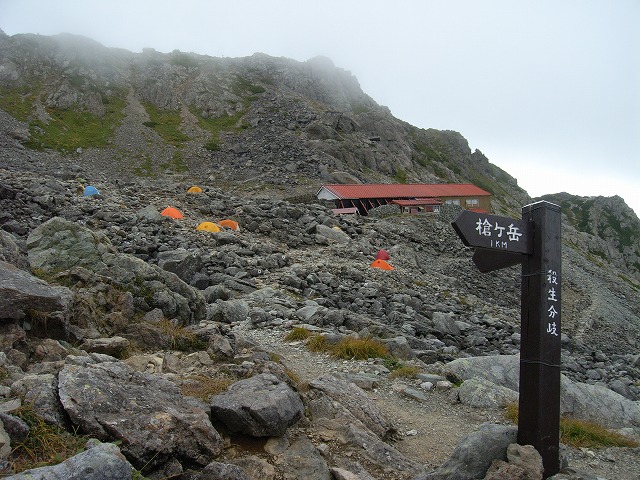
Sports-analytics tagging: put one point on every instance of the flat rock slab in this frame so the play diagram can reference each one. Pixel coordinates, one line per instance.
(109, 400)
(101, 462)
(260, 406)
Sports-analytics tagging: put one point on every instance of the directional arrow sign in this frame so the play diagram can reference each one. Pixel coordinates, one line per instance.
(493, 232)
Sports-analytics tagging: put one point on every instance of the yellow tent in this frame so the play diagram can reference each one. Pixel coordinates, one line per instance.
(194, 189)
(208, 227)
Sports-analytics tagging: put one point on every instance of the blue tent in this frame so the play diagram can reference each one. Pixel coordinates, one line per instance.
(90, 190)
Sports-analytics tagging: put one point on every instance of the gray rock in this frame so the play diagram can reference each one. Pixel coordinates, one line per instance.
(302, 461)
(482, 393)
(59, 245)
(502, 370)
(41, 392)
(444, 323)
(109, 400)
(232, 311)
(10, 252)
(16, 428)
(261, 406)
(181, 262)
(113, 346)
(21, 291)
(222, 471)
(331, 234)
(598, 404)
(474, 454)
(356, 401)
(399, 347)
(580, 400)
(101, 462)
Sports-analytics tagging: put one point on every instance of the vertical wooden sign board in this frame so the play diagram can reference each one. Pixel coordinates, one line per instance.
(539, 403)
(534, 242)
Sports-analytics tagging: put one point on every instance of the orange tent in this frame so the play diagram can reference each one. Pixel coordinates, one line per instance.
(232, 224)
(194, 189)
(171, 212)
(381, 264)
(208, 227)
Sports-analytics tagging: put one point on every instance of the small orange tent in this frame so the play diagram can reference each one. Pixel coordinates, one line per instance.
(194, 189)
(208, 227)
(232, 224)
(171, 212)
(381, 264)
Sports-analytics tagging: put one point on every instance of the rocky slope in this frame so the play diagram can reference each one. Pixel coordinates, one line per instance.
(134, 314)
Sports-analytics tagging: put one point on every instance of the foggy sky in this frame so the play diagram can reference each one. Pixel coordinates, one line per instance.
(548, 90)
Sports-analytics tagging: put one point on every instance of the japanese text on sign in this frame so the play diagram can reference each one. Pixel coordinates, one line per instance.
(499, 238)
(552, 298)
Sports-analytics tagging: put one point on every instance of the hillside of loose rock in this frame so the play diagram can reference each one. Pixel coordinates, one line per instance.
(128, 326)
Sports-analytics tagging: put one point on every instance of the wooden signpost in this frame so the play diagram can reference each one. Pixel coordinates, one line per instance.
(534, 242)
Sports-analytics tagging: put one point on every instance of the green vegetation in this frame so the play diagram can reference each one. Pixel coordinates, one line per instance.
(166, 123)
(359, 349)
(70, 129)
(318, 343)
(145, 169)
(401, 176)
(581, 433)
(179, 338)
(405, 371)
(176, 164)
(45, 444)
(242, 85)
(203, 387)
(298, 333)
(18, 101)
(349, 348)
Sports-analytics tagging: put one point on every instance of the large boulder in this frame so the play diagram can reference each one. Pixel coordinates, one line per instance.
(10, 251)
(20, 291)
(60, 247)
(100, 462)
(356, 401)
(59, 244)
(598, 404)
(580, 400)
(474, 454)
(260, 406)
(107, 399)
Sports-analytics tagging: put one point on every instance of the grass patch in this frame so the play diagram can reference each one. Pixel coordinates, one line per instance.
(242, 85)
(18, 102)
(203, 387)
(166, 123)
(318, 343)
(45, 444)
(349, 348)
(298, 333)
(177, 163)
(71, 129)
(359, 349)
(217, 126)
(581, 433)
(179, 338)
(405, 371)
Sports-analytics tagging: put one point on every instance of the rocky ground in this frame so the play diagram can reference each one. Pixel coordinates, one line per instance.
(117, 269)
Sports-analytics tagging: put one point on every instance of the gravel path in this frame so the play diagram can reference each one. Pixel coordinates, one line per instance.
(430, 431)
